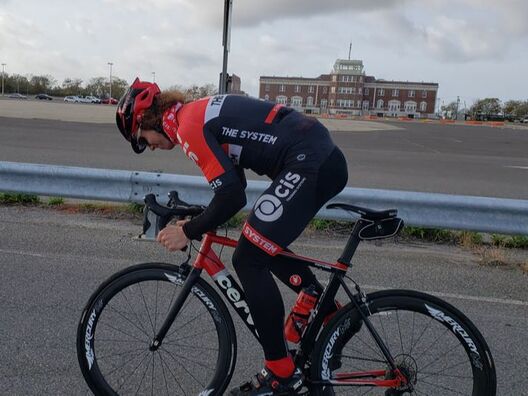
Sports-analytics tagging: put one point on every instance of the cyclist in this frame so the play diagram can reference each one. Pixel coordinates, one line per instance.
(223, 135)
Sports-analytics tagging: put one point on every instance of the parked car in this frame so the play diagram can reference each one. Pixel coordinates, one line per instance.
(93, 99)
(43, 96)
(72, 99)
(84, 99)
(109, 101)
(525, 120)
(17, 96)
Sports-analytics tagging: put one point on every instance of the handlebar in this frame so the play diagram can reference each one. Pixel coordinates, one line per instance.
(176, 208)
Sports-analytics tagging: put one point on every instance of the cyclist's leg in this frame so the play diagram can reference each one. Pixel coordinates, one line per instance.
(331, 178)
(279, 216)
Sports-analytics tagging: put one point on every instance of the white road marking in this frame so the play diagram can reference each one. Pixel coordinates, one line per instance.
(516, 167)
(369, 287)
(463, 297)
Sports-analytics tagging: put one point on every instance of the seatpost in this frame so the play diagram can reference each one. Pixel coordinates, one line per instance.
(352, 243)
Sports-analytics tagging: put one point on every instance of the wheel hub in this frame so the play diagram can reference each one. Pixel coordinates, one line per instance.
(409, 369)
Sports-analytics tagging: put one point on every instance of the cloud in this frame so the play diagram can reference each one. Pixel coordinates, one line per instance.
(454, 40)
(252, 13)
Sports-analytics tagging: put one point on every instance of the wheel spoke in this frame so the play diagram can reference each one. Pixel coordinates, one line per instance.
(426, 351)
(196, 354)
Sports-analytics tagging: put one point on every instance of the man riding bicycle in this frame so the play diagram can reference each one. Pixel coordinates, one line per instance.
(223, 135)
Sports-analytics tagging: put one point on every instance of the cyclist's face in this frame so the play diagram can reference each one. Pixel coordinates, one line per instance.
(156, 140)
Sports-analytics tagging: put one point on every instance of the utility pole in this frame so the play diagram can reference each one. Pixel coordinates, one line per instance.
(226, 42)
(458, 104)
(3, 68)
(349, 50)
(110, 64)
(153, 77)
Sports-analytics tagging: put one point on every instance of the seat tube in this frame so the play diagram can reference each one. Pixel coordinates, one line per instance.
(352, 243)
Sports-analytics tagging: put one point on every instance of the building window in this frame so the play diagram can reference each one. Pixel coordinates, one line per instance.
(267, 88)
(281, 99)
(282, 88)
(412, 94)
(296, 101)
(345, 103)
(325, 90)
(366, 91)
(360, 78)
(311, 89)
(410, 107)
(359, 103)
(423, 106)
(346, 90)
(380, 104)
(424, 94)
(309, 101)
(297, 88)
(381, 92)
(394, 105)
(360, 91)
(365, 105)
(266, 97)
(333, 89)
(334, 78)
(324, 103)
(395, 92)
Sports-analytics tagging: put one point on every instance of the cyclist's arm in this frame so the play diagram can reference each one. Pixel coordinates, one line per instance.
(227, 181)
(227, 201)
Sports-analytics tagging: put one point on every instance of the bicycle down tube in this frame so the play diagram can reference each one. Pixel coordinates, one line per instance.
(208, 260)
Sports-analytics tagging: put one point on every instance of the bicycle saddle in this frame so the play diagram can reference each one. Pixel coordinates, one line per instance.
(366, 213)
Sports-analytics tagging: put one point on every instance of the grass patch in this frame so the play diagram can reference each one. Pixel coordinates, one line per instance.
(55, 201)
(469, 239)
(492, 256)
(24, 199)
(429, 234)
(236, 221)
(134, 208)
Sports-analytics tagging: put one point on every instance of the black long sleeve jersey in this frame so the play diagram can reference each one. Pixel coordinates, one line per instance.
(225, 134)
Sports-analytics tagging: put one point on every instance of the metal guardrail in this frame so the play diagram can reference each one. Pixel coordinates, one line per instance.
(496, 215)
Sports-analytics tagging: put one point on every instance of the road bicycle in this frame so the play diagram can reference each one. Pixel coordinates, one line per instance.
(161, 329)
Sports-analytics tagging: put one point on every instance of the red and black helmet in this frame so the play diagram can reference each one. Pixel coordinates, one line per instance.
(139, 97)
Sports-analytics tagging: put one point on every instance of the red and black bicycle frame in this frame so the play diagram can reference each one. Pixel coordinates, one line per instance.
(208, 260)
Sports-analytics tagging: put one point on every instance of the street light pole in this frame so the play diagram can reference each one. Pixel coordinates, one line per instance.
(110, 64)
(3, 67)
(153, 77)
(226, 42)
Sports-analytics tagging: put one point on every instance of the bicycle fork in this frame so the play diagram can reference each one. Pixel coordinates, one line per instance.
(193, 276)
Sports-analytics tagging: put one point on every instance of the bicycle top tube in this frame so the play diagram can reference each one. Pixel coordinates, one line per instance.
(207, 259)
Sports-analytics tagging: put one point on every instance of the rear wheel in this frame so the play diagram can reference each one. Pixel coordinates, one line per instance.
(119, 323)
(436, 348)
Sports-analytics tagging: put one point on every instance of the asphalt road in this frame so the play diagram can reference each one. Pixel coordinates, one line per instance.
(413, 156)
(52, 261)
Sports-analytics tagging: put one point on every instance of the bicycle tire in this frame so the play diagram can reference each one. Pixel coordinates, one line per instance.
(445, 328)
(127, 309)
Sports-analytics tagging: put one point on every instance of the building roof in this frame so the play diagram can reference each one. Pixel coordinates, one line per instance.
(291, 78)
(381, 81)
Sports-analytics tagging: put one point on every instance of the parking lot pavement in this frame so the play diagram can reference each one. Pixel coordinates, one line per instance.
(52, 261)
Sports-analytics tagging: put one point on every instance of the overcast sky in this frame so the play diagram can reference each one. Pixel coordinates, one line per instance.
(472, 48)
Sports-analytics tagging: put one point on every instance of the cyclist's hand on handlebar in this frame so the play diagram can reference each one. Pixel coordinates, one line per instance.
(172, 237)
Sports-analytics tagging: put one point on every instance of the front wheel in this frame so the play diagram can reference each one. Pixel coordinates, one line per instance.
(121, 319)
(435, 347)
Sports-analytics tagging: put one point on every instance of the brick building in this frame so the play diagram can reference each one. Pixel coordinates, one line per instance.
(348, 90)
